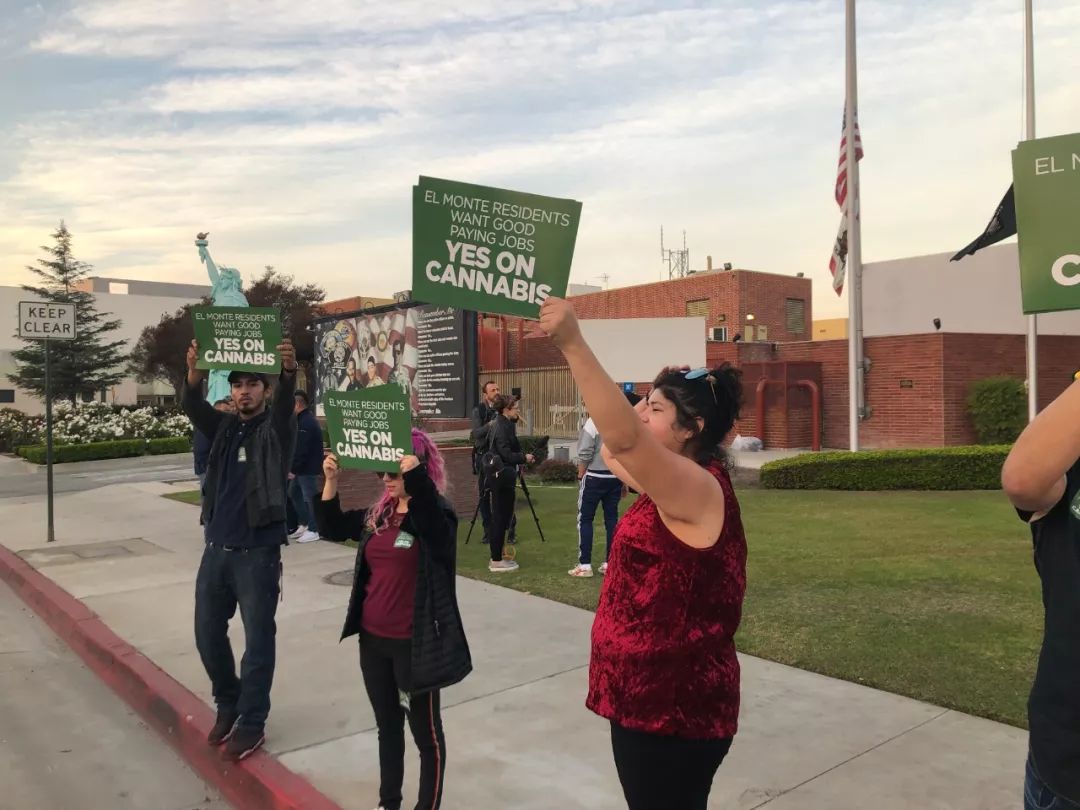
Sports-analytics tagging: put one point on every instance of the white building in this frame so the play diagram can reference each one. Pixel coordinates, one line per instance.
(978, 294)
(136, 304)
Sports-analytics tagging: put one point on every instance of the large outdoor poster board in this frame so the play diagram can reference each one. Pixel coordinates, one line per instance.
(427, 351)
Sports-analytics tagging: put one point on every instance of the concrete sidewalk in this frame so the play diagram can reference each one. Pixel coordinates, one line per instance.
(517, 731)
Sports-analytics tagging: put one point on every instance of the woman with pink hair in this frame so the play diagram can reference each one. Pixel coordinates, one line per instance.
(404, 608)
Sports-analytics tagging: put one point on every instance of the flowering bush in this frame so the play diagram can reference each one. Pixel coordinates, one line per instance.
(17, 429)
(92, 422)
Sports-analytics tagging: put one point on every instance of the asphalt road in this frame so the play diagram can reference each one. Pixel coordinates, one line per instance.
(69, 743)
(19, 479)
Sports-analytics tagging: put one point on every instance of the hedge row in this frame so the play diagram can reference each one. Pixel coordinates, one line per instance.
(96, 451)
(557, 472)
(954, 468)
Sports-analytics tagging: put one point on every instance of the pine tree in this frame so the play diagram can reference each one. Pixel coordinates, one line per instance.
(83, 366)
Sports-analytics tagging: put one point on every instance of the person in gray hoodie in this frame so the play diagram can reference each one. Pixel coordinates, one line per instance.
(597, 485)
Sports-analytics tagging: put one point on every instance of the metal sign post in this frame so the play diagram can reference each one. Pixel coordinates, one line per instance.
(40, 320)
(48, 444)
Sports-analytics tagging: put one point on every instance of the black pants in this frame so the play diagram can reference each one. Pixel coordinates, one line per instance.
(386, 667)
(485, 511)
(502, 513)
(665, 773)
(252, 580)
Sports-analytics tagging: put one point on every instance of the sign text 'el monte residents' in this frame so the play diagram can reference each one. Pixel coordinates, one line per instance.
(489, 249)
(1046, 179)
(369, 429)
(237, 338)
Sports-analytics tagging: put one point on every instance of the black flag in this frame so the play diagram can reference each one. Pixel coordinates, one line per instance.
(1002, 226)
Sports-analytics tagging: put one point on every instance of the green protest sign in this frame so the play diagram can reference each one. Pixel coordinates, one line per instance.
(489, 249)
(369, 429)
(1046, 179)
(237, 338)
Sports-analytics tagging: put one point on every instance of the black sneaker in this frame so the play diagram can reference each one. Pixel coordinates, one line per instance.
(224, 727)
(243, 743)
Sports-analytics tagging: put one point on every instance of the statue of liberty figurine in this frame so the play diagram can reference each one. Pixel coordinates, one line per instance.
(227, 292)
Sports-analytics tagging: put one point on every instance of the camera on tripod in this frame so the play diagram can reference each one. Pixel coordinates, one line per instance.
(491, 468)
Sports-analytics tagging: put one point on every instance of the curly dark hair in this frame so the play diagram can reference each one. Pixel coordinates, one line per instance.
(714, 397)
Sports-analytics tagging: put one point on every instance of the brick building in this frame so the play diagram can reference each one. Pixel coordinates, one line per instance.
(931, 329)
(754, 307)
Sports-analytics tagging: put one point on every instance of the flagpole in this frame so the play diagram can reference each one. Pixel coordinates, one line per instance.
(853, 280)
(1029, 134)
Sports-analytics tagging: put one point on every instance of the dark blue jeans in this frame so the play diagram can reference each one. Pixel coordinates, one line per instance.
(1039, 796)
(251, 580)
(594, 491)
(302, 491)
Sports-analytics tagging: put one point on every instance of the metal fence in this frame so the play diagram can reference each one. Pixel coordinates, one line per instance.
(550, 403)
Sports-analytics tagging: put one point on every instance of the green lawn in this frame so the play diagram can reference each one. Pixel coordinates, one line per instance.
(930, 595)
(191, 497)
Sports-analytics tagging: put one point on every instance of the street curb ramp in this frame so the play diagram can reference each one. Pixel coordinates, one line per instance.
(258, 783)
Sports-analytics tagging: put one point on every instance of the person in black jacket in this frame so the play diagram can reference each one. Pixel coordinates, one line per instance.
(304, 475)
(243, 515)
(482, 416)
(200, 445)
(500, 480)
(404, 608)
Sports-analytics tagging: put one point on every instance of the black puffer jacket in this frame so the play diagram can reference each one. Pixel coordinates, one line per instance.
(505, 444)
(440, 651)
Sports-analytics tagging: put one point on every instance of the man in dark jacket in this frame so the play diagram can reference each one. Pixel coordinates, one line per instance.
(243, 515)
(306, 466)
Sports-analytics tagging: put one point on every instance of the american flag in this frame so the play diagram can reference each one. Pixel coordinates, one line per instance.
(838, 262)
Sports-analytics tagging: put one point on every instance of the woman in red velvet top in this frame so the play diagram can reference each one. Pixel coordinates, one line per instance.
(663, 668)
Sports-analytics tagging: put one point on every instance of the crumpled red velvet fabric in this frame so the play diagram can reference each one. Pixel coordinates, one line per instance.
(663, 640)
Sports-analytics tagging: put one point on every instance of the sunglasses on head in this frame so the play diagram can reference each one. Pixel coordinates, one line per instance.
(697, 374)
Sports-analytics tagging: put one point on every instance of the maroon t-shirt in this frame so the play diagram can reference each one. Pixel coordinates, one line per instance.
(392, 555)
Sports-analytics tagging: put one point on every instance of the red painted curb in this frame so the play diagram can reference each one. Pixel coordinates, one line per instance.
(259, 782)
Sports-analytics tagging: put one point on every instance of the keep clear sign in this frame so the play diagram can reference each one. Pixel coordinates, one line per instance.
(43, 320)
(369, 429)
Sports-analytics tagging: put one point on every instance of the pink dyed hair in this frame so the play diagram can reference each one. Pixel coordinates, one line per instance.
(425, 450)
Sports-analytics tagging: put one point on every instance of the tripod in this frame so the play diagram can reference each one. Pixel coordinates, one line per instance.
(528, 499)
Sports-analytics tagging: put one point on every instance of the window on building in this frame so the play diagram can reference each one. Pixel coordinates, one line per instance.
(718, 333)
(7, 395)
(697, 309)
(795, 311)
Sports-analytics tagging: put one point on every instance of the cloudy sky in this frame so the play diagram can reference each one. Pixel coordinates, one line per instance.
(294, 132)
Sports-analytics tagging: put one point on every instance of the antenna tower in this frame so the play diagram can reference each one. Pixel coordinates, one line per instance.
(677, 261)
